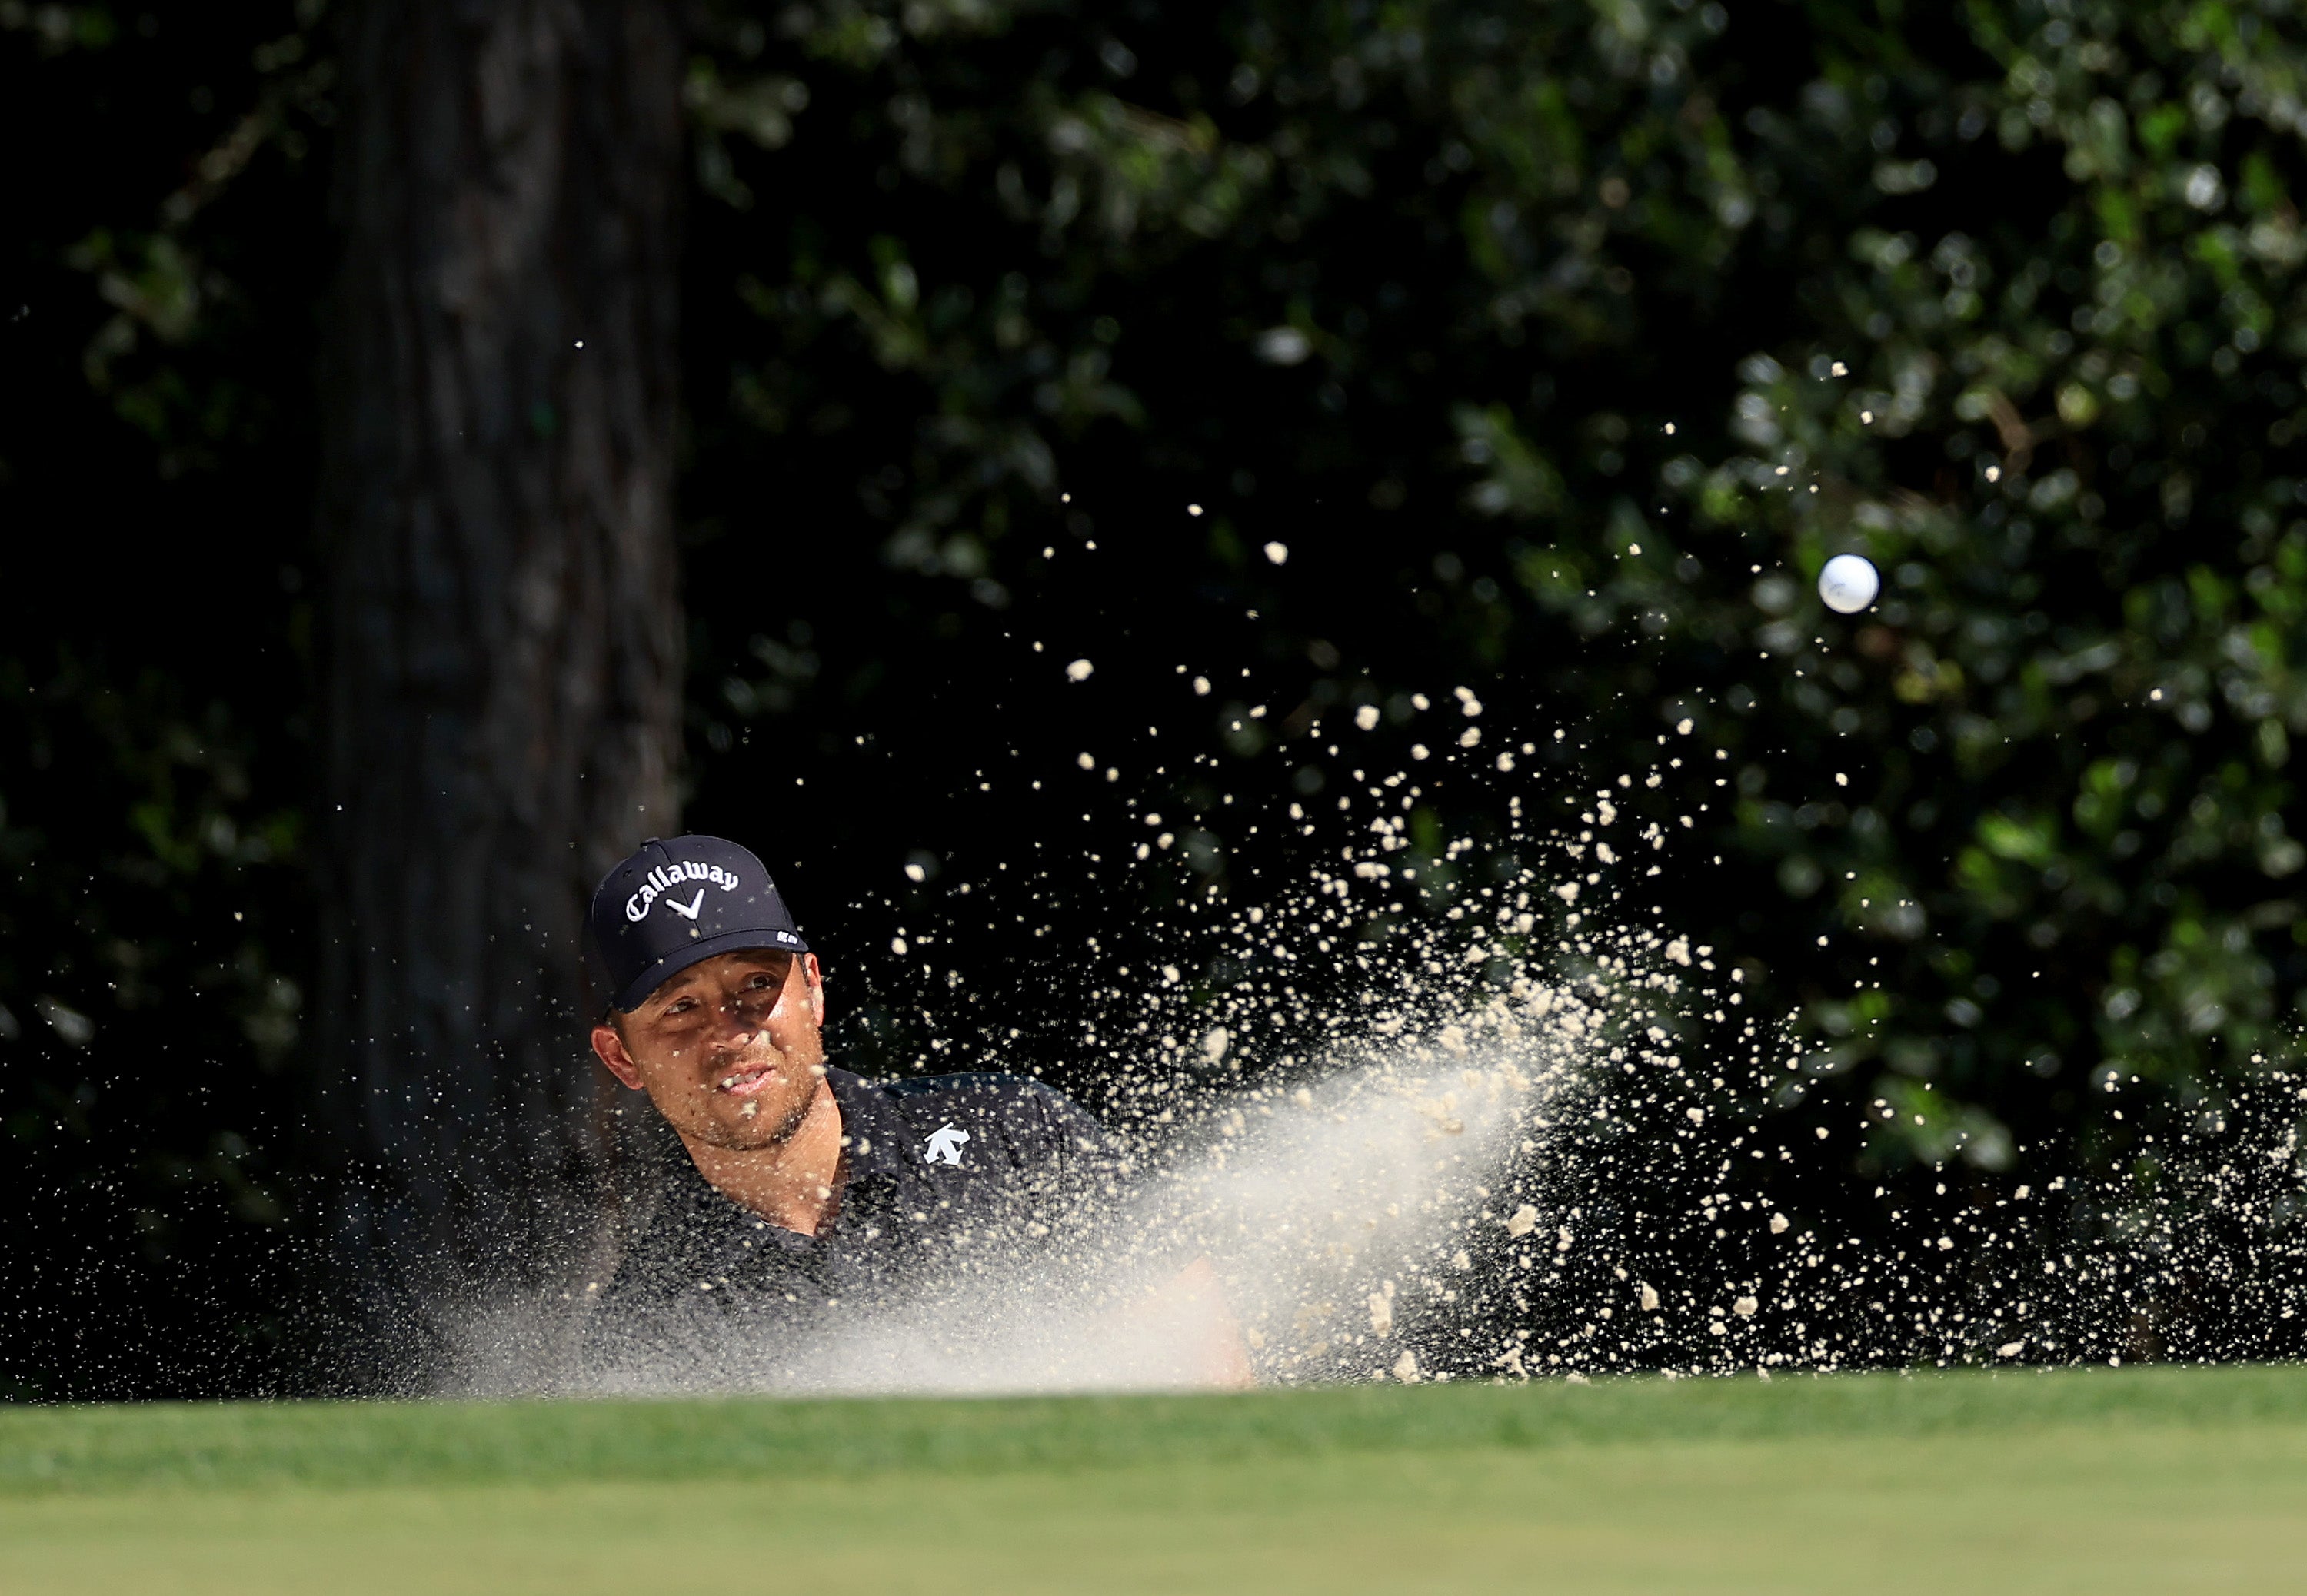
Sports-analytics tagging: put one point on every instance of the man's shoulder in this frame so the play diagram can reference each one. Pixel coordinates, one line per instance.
(925, 1093)
(1014, 1108)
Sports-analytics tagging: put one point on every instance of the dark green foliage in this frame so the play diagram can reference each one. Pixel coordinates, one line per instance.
(154, 489)
(1560, 345)
(1509, 293)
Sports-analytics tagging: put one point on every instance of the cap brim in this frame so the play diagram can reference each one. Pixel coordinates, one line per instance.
(638, 989)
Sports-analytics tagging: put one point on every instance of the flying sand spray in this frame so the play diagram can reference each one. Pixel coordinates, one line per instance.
(1536, 1134)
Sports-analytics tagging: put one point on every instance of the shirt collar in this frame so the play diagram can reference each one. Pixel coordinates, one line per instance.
(873, 1135)
(873, 1141)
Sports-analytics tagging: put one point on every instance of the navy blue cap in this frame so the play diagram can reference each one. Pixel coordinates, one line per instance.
(674, 904)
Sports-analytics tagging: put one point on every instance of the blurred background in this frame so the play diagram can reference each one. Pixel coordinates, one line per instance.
(441, 445)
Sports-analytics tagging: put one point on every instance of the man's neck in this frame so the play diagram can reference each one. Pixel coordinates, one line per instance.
(789, 1183)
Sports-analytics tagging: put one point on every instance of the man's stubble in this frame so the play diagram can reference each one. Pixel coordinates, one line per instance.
(799, 1079)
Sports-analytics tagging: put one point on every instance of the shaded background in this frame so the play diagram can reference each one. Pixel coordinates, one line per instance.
(1558, 343)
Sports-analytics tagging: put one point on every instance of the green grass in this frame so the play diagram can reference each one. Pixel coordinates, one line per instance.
(2104, 1480)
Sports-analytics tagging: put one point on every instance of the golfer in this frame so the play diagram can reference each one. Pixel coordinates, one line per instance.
(806, 1198)
(805, 1187)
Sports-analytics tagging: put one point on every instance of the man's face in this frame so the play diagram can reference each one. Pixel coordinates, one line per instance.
(729, 1050)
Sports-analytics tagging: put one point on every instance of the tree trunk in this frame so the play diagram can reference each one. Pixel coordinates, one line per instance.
(503, 661)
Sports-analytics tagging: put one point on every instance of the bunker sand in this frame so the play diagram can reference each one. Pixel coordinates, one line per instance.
(2098, 1482)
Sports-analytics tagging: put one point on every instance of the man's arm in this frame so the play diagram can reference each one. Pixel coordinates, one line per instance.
(1195, 1317)
(1188, 1314)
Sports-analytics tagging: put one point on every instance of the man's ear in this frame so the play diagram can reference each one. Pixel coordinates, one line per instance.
(816, 978)
(610, 1048)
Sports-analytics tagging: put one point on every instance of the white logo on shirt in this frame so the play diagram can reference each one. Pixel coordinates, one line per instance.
(945, 1146)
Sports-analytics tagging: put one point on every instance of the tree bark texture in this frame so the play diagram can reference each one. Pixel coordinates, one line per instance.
(503, 676)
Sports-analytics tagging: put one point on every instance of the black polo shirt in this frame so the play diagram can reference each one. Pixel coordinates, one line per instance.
(953, 1187)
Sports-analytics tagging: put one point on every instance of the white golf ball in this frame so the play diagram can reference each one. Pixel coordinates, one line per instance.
(1849, 583)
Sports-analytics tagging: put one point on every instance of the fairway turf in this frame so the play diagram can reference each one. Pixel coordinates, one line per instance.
(2105, 1480)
